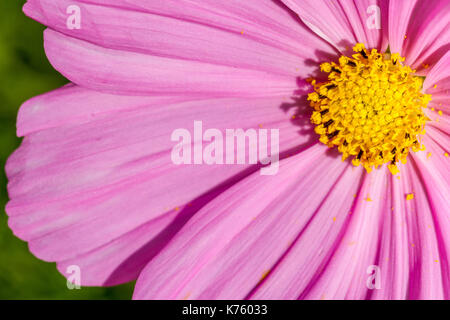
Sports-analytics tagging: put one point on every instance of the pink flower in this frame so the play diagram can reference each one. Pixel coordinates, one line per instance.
(93, 185)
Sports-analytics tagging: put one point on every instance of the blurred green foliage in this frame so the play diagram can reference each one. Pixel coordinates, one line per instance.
(25, 72)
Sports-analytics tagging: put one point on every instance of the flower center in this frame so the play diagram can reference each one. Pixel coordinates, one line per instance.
(370, 108)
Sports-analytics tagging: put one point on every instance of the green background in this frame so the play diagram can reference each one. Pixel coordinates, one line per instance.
(25, 72)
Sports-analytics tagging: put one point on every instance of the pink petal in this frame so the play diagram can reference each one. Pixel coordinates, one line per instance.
(265, 21)
(316, 242)
(170, 37)
(439, 75)
(132, 73)
(344, 276)
(169, 53)
(122, 259)
(223, 252)
(439, 136)
(400, 14)
(414, 260)
(439, 122)
(93, 185)
(405, 240)
(425, 25)
(437, 83)
(72, 105)
(393, 260)
(343, 23)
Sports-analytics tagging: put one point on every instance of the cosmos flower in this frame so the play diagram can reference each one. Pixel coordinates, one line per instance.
(93, 184)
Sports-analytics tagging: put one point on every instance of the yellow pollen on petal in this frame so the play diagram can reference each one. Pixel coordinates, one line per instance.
(446, 154)
(186, 297)
(410, 196)
(370, 108)
(265, 274)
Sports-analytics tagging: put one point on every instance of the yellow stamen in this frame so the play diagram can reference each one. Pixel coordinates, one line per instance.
(370, 108)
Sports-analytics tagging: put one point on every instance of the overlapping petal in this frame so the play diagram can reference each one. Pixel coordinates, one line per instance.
(419, 31)
(234, 241)
(170, 53)
(93, 184)
(344, 23)
(104, 178)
